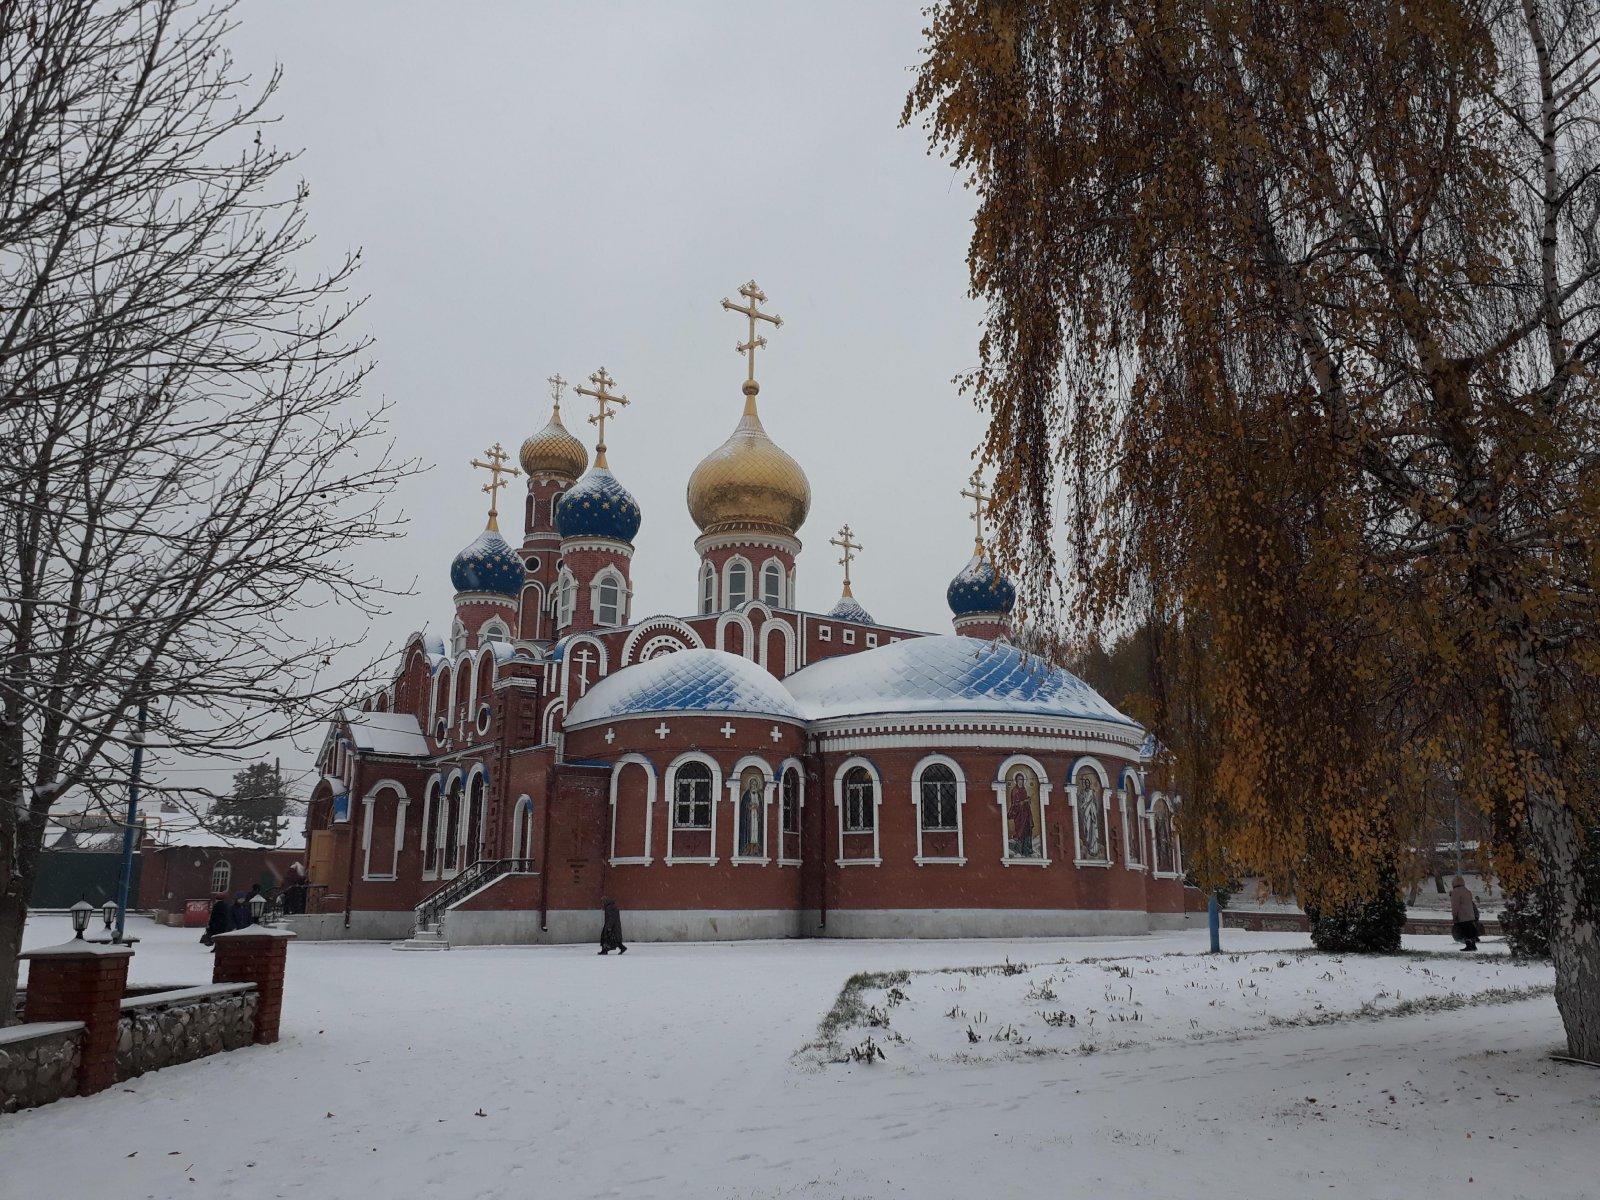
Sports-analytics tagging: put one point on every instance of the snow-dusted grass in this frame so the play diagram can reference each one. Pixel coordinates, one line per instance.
(1011, 1009)
(671, 1072)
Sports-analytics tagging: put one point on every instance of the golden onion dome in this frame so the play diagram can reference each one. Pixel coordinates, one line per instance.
(554, 451)
(748, 482)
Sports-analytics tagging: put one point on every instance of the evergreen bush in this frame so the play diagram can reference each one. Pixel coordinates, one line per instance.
(1370, 926)
(1525, 920)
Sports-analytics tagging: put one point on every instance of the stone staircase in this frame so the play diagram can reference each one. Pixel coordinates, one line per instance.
(426, 937)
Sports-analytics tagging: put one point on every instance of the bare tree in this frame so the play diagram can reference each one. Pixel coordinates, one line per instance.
(185, 465)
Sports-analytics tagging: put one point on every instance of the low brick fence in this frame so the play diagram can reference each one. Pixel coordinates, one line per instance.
(1298, 922)
(84, 1031)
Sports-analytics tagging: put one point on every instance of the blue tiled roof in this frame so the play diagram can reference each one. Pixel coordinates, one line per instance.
(849, 609)
(598, 506)
(946, 674)
(686, 681)
(488, 565)
(979, 588)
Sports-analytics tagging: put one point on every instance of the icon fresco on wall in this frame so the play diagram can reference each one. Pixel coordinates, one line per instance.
(752, 787)
(1165, 859)
(1024, 819)
(1090, 813)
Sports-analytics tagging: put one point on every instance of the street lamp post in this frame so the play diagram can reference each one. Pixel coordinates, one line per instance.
(81, 912)
(125, 878)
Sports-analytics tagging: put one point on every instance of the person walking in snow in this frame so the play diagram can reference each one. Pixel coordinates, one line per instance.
(611, 929)
(1464, 914)
(221, 921)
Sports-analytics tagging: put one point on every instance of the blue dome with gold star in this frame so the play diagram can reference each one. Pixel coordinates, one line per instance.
(979, 588)
(488, 565)
(598, 506)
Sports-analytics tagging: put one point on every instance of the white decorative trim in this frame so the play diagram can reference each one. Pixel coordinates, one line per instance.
(626, 760)
(671, 788)
(524, 804)
(1132, 789)
(432, 798)
(1086, 762)
(369, 804)
(495, 598)
(602, 667)
(736, 618)
(788, 664)
(652, 625)
(784, 767)
(764, 541)
(783, 582)
(767, 788)
(624, 597)
(844, 769)
(1002, 800)
(609, 545)
(961, 804)
(936, 729)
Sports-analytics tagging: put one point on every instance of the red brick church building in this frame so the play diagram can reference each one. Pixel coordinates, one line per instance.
(747, 770)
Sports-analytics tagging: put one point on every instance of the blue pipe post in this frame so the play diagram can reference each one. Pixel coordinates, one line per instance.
(125, 877)
(1214, 921)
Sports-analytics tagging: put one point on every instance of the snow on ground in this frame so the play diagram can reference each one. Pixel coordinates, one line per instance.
(672, 1072)
(1012, 1010)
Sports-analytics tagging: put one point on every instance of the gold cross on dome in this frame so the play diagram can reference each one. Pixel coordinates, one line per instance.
(603, 398)
(979, 499)
(557, 385)
(752, 312)
(844, 542)
(496, 466)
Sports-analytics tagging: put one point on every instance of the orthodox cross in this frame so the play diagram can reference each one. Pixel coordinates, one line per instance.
(844, 542)
(496, 466)
(585, 658)
(603, 398)
(752, 312)
(557, 384)
(979, 500)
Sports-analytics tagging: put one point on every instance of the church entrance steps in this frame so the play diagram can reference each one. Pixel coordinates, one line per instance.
(425, 939)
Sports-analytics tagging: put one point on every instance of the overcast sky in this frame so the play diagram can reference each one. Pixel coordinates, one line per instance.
(551, 187)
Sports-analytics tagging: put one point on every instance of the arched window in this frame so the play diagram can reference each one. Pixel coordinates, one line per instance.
(860, 807)
(458, 636)
(938, 799)
(566, 599)
(475, 820)
(708, 588)
(791, 801)
(1089, 805)
(430, 828)
(772, 583)
(522, 829)
(452, 827)
(1166, 840)
(494, 630)
(1134, 836)
(738, 582)
(221, 877)
(555, 503)
(608, 600)
(691, 797)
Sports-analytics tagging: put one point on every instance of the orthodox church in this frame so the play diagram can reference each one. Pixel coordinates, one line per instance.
(748, 770)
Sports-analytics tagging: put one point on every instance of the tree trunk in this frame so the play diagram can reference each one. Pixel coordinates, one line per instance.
(13, 912)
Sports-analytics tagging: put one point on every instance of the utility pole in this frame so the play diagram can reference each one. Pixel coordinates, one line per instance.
(125, 878)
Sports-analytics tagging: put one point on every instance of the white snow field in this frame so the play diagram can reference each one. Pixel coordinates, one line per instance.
(679, 1071)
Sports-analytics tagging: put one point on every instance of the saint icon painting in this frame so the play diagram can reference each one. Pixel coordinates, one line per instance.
(1024, 819)
(752, 789)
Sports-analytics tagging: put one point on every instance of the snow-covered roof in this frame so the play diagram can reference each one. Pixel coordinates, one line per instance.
(697, 680)
(197, 837)
(946, 674)
(387, 733)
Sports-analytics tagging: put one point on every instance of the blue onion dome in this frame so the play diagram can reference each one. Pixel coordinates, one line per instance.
(849, 609)
(979, 588)
(488, 565)
(598, 506)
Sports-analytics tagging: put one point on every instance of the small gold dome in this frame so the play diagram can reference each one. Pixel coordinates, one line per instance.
(748, 482)
(554, 451)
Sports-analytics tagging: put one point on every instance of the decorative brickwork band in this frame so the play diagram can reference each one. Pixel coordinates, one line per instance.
(255, 955)
(82, 981)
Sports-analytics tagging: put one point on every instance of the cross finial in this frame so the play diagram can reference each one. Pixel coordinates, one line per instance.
(846, 543)
(979, 499)
(496, 466)
(604, 398)
(751, 311)
(557, 386)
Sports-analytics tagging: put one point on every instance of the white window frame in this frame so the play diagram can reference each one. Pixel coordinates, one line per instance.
(768, 786)
(824, 633)
(1087, 763)
(369, 804)
(689, 756)
(960, 857)
(872, 639)
(493, 630)
(843, 770)
(458, 636)
(566, 597)
(774, 600)
(522, 820)
(728, 602)
(1131, 793)
(642, 860)
(609, 575)
(787, 765)
(1002, 800)
(849, 636)
(708, 588)
(225, 868)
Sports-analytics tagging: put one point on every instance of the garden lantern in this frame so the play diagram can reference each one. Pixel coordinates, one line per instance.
(258, 905)
(80, 916)
(108, 913)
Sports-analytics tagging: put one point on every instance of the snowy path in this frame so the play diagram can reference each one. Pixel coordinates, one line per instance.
(667, 1073)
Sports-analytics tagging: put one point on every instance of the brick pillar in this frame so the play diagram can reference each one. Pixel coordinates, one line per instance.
(82, 981)
(255, 955)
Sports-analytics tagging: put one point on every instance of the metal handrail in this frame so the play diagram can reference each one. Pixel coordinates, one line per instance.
(472, 877)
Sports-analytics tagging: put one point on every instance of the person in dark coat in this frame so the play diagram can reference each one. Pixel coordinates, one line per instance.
(240, 912)
(221, 921)
(611, 929)
(294, 889)
(1464, 914)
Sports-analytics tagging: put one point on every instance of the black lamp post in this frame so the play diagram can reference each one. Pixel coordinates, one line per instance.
(258, 905)
(81, 912)
(108, 913)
